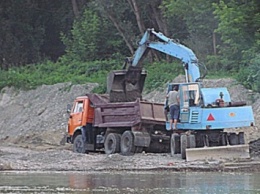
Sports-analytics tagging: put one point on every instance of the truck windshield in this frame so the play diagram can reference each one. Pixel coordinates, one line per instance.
(78, 107)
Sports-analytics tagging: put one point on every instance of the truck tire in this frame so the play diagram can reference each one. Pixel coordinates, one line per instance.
(223, 141)
(79, 144)
(241, 138)
(112, 143)
(175, 144)
(183, 146)
(138, 149)
(233, 139)
(191, 141)
(127, 143)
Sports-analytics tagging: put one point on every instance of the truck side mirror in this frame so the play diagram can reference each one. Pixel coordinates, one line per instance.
(68, 108)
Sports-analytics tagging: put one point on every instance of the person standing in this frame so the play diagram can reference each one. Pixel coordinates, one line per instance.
(173, 102)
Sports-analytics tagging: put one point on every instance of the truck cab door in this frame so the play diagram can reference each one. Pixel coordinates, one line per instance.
(76, 116)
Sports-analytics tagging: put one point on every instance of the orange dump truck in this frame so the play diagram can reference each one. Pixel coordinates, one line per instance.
(121, 127)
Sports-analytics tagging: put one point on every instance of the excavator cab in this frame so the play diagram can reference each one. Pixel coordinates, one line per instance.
(126, 85)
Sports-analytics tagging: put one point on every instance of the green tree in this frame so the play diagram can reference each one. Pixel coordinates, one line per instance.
(19, 39)
(83, 44)
(131, 18)
(93, 37)
(249, 75)
(121, 18)
(30, 30)
(196, 24)
(239, 24)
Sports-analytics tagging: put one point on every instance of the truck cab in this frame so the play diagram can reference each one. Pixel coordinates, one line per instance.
(80, 114)
(80, 127)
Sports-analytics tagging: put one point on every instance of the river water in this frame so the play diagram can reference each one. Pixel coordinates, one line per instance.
(129, 182)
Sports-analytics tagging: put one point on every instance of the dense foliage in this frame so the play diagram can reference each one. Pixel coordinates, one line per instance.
(47, 42)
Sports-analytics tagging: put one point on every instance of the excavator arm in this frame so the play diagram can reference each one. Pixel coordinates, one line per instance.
(171, 48)
(127, 85)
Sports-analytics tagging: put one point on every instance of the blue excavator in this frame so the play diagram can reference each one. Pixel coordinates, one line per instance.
(205, 113)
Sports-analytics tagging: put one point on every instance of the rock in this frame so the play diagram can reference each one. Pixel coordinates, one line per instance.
(5, 166)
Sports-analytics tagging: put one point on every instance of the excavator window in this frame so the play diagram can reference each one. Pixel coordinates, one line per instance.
(190, 95)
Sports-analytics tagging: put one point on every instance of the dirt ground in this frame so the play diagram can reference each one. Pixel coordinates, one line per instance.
(61, 158)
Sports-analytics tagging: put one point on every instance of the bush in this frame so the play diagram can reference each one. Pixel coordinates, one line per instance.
(160, 73)
(76, 72)
(31, 76)
(249, 76)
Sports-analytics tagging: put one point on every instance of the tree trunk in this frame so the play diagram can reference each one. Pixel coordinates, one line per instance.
(214, 43)
(139, 21)
(159, 18)
(160, 21)
(141, 26)
(121, 32)
(75, 8)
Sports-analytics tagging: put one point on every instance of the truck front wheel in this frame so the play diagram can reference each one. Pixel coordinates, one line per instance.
(79, 145)
(127, 143)
(112, 143)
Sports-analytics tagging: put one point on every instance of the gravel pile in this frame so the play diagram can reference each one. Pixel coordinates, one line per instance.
(26, 115)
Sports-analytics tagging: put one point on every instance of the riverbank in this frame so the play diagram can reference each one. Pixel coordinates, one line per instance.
(48, 158)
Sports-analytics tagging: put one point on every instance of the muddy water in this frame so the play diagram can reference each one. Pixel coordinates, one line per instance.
(128, 182)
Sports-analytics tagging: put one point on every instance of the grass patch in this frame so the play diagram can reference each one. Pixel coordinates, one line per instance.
(49, 73)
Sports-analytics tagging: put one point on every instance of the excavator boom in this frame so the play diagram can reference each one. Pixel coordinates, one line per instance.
(127, 85)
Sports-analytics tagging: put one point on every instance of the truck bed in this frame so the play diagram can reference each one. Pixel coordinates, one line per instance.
(126, 114)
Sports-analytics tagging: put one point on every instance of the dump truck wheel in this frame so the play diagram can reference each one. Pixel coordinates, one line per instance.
(183, 146)
(79, 145)
(223, 141)
(241, 138)
(233, 139)
(112, 143)
(175, 144)
(191, 143)
(127, 143)
(138, 149)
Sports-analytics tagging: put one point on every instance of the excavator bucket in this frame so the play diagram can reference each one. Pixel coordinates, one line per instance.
(228, 152)
(125, 85)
